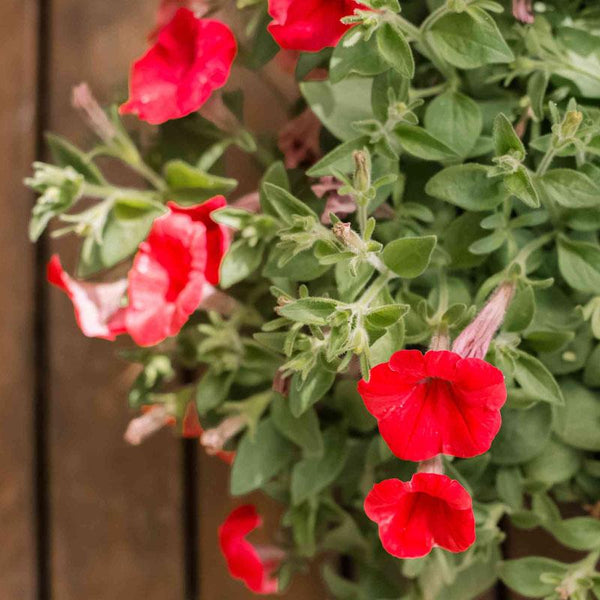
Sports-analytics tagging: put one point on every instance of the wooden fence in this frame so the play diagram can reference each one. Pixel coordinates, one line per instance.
(82, 515)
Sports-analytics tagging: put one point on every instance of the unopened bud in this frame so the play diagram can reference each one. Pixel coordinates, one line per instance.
(476, 338)
(214, 440)
(281, 383)
(141, 428)
(570, 124)
(84, 101)
(362, 171)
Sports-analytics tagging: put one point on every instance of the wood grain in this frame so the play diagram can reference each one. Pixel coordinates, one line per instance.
(115, 510)
(18, 52)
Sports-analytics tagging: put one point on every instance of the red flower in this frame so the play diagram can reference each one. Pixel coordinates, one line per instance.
(97, 305)
(167, 279)
(168, 9)
(413, 517)
(218, 237)
(253, 565)
(437, 403)
(190, 59)
(309, 25)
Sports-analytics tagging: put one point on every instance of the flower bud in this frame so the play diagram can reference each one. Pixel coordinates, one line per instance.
(141, 428)
(570, 124)
(362, 171)
(214, 440)
(475, 339)
(84, 101)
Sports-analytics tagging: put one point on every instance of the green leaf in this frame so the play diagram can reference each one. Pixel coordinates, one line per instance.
(339, 105)
(523, 435)
(422, 144)
(558, 462)
(455, 120)
(577, 422)
(535, 379)
(579, 533)
(188, 183)
(536, 90)
(469, 43)
(313, 311)
(409, 257)
(212, 389)
(579, 264)
(521, 185)
(303, 394)
(285, 205)
(395, 49)
(458, 238)
(340, 158)
(120, 236)
(521, 309)
(383, 317)
(302, 267)
(506, 140)
(277, 175)
(524, 575)
(241, 260)
(304, 430)
(312, 475)
(259, 458)
(467, 186)
(354, 56)
(571, 189)
(509, 485)
(66, 154)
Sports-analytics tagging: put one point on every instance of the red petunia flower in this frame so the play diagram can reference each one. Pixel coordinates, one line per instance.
(254, 565)
(190, 59)
(429, 510)
(168, 8)
(218, 237)
(437, 403)
(309, 25)
(167, 280)
(97, 306)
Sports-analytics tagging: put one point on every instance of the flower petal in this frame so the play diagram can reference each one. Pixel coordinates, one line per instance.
(243, 560)
(413, 517)
(437, 403)
(167, 279)
(97, 305)
(190, 59)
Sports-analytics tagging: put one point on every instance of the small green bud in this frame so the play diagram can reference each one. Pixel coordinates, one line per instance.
(570, 124)
(362, 171)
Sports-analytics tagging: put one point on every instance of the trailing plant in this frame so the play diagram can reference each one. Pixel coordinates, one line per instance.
(397, 335)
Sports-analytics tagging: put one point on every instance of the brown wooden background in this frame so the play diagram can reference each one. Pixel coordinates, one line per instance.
(83, 516)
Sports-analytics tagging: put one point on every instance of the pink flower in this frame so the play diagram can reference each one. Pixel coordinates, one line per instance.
(340, 205)
(309, 25)
(427, 511)
(254, 565)
(98, 306)
(299, 140)
(167, 283)
(190, 59)
(167, 280)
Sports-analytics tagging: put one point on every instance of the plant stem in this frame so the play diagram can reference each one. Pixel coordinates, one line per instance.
(546, 161)
(151, 176)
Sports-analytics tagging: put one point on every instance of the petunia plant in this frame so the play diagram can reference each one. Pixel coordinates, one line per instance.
(397, 335)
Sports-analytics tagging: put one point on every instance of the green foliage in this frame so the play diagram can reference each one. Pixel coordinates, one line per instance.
(469, 147)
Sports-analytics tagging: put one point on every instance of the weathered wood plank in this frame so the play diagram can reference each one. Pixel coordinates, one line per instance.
(116, 519)
(18, 64)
